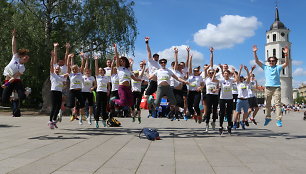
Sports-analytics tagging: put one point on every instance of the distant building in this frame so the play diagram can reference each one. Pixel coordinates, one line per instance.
(302, 91)
(276, 40)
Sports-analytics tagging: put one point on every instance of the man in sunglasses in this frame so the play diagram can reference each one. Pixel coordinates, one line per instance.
(272, 76)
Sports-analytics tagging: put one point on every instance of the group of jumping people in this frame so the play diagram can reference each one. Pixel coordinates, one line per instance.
(118, 85)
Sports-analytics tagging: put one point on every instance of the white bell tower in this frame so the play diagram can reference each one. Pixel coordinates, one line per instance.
(277, 38)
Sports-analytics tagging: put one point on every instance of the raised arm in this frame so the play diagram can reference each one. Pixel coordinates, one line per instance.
(175, 58)
(143, 68)
(113, 66)
(258, 62)
(55, 47)
(188, 57)
(66, 53)
(82, 62)
(286, 51)
(190, 66)
(211, 63)
(221, 67)
(96, 65)
(131, 61)
(117, 56)
(239, 73)
(148, 48)
(14, 42)
(51, 62)
(252, 69)
(248, 74)
(70, 61)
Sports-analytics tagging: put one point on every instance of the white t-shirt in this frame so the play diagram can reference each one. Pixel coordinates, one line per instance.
(102, 82)
(57, 82)
(153, 66)
(88, 83)
(76, 80)
(115, 82)
(13, 67)
(242, 90)
(144, 77)
(64, 68)
(175, 82)
(252, 89)
(136, 86)
(210, 85)
(108, 71)
(234, 90)
(226, 89)
(194, 82)
(124, 74)
(163, 75)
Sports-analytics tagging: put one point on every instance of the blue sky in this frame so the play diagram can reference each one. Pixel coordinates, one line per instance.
(197, 23)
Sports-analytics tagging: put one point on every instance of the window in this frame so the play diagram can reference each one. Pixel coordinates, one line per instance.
(274, 52)
(274, 37)
(267, 53)
(283, 54)
(283, 71)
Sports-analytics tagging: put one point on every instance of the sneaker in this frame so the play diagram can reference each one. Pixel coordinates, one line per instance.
(195, 118)
(104, 123)
(72, 117)
(80, 121)
(133, 119)
(225, 119)
(185, 118)
(139, 120)
(59, 117)
(235, 125)
(253, 121)
(207, 127)
(242, 124)
(229, 130)
(173, 118)
(97, 124)
(50, 124)
(199, 119)
(221, 130)
(246, 123)
(267, 121)
(89, 120)
(213, 125)
(279, 123)
(54, 124)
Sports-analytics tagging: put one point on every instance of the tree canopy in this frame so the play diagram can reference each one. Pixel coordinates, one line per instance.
(88, 25)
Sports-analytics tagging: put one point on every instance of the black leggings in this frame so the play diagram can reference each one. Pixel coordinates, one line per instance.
(137, 99)
(193, 101)
(179, 97)
(75, 94)
(101, 101)
(7, 92)
(56, 99)
(212, 106)
(226, 108)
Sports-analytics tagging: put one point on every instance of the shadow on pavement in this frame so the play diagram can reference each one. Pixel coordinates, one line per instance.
(7, 126)
(47, 137)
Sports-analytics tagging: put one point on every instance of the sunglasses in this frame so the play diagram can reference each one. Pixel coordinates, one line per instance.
(195, 70)
(272, 60)
(162, 62)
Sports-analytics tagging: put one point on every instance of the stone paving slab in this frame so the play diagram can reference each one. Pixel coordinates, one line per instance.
(27, 145)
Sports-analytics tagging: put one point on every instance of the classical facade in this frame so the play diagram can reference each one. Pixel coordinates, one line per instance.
(277, 38)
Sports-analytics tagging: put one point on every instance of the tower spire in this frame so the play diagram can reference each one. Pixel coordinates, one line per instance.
(276, 14)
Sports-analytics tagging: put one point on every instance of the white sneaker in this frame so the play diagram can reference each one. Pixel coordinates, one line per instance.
(207, 127)
(89, 120)
(213, 125)
(50, 124)
(104, 123)
(80, 121)
(59, 116)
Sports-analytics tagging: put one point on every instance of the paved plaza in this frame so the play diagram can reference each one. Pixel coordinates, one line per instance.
(28, 146)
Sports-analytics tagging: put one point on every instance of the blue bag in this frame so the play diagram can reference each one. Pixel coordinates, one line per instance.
(151, 134)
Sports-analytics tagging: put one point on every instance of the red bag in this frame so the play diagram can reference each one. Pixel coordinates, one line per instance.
(144, 103)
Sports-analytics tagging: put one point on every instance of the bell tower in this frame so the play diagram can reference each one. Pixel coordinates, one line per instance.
(276, 40)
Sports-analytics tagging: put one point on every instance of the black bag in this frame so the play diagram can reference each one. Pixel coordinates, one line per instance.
(16, 113)
(113, 122)
(151, 134)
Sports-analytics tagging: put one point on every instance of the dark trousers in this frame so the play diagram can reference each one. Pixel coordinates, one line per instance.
(137, 99)
(75, 94)
(101, 102)
(193, 101)
(226, 108)
(56, 99)
(212, 106)
(7, 92)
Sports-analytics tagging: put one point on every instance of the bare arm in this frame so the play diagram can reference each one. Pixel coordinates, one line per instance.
(252, 69)
(14, 42)
(96, 66)
(239, 73)
(148, 48)
(188, 57)
(211, 63)
(113, 66)
(66, 53)
(286, 51)
(143, 69)
(51, 62)
(175, 58)
(135, 78)
(69, 62)
(117, 55)
(190, 66)
(179, 79)
(248, 74)
(258, 62)
(82, 63)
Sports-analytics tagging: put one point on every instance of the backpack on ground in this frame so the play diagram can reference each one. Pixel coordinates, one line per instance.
(151, 134)
(113, 122)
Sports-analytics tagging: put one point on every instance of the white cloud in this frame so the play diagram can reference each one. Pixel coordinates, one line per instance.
(197, 57)
(233, 29)
(299, 72)
(297, 62)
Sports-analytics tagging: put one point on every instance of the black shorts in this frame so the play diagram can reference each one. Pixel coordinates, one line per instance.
(151, 88)
(185, 90)
(75, 94)
(204, 95)
(89, 97)
(253, 102)
(179, 97)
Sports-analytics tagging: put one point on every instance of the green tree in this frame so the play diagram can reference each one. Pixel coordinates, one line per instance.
(89, 26)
